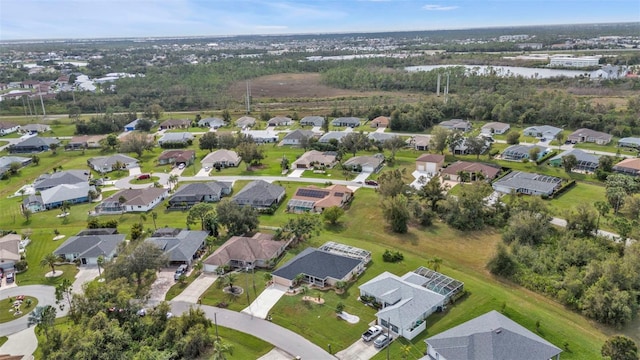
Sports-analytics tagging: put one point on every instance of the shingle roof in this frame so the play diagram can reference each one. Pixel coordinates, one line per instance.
(346, 120)
(137, 196)
(580, 155)
(495, 125)
(91, 245)
(491, 336)
(36, 141)
(374, 160)
(319, 264)
(247, 249)
(630, 163)
(176, 137)
(382, 137)
(109, 161)
(590, 134)
(221, 155)
(299, 135)
(210, 121)
(545, 130)
(277, 120)
(196, 191)
(181, 247)
(178, 155)
(245, 121)
(313, 156)
(46, 181)
(7, 125)
(176, 122)
(472, 167)
(338, 135)
(10, 247)
(312, 120)
(65, 192)
(259, 193)
(523, 180)
(5, 161)
(431, 158)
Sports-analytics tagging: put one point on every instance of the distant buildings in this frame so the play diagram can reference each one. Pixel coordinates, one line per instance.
(566, 61)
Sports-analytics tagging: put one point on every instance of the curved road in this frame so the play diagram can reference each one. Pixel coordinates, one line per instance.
(44, 294)
(278, 336)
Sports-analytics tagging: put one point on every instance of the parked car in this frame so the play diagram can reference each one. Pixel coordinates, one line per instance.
(181, 166)
(371, 333)
(182, 269)
(371, 182)
(144, 176)
(382, 341)
(10, 277)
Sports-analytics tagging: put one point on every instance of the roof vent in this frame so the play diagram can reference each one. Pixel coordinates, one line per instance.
(498, 331)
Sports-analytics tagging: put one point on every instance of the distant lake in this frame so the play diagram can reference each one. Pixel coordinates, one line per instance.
(505, 71)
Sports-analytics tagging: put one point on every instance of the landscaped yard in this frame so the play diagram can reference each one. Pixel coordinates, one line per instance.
(253, 283)
(7, 309)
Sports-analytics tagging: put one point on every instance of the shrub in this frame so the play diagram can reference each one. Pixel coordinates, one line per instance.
(392, 256)
(21, 265)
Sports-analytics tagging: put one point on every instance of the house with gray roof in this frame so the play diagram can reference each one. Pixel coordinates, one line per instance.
(456, 124)
(346, 121)
(259, 194)
(297, 137)
(34, 128)
(245, 122)
(586, 162)
(34, 144)
(262, 136)
(591, 136)
(491, 336)
(6, 161)
(312, 121)
(220, 159)
(408, 301)
(67, 177)
(631, 142)
(8, 128)
(378, 137)
(132, 200)
(320, 268)
(368, 163)
(494, 127)
(180, 246)
(327, 137)
(132, 125)
(88, 248)
(176, 139)
(280, 121)
(54, 197)
(520, 152)
(105, 164)
(527, 183)
(542, 131)
(175, 124)
(193, 193)
(212, 122)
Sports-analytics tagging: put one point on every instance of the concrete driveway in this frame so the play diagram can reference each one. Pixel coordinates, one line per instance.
(193, 292)
(135, 171)
(359, 350)
(362, 176)
(261, 306)
(22, 343)
(84, 275)
(161, 286)
(276, 354)
(203, 172)
(296, 173)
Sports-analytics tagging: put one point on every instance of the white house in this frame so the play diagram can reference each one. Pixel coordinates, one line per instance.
(132, 200)
(8, 128)
(430, 163)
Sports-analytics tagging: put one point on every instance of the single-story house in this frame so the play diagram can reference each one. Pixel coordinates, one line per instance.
(262, 136)
(34, 128)
(346, 121)
(490, 336)
(105, 164)
(586, 161)
(430, 163)
(296, 137)
(408, 301)
(6, 161)
(132, 125)
(315, 121)
(588, 135)
(315, 199)
(8, 128)
(327, 137)
(221, 158)
(313, 158)
(368, 163)
(132, 200)
(380, 122)
(527, 183)
(320, 268)
(542, 131)
(180, 246)
(193, 193)
(495, 127)
(280, 121)
(177, 157)
(630, 166)
(420, 142)
(520, 152)
(54, 197)
(463, 147)
(474, 170)
(259, 194)
(212, 122)
(242, 252)
(456, 124)
(34, 144)
(381, 138)
(9, 249)
(88, 248)
(175, 124)
(67, 177)
(85, 142)
(176, 139)
(245, 122)
(632, 142)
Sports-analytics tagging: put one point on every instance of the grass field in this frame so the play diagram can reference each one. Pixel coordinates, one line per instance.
(252, 283)
(6, 305)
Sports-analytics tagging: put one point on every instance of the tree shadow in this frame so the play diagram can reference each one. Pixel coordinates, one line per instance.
(336, 228)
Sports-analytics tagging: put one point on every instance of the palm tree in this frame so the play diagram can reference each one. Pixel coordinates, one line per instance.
(228, 281)
(173, 179)
(435, 263)
(100, 263)
(298, 279)
(220, 350)
(154, 216)
(50, 260)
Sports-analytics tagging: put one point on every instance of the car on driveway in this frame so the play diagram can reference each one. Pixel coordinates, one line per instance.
(371, 333)
(181, 166)
(182, 270)
(144, 176)
(382, 341)
(371, 182)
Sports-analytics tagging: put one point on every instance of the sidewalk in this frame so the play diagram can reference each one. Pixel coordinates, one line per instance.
(21, 343)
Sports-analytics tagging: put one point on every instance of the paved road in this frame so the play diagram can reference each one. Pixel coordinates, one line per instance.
(271, 179)
(613, 236)
(276, 335)
(44, 294)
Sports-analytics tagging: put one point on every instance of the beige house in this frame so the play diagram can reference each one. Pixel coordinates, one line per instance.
(315, 199)
(241, 252)
(379, 122)
(9, 249)
(588, 135)
(315, 158)
(221, 158)
(430, 163)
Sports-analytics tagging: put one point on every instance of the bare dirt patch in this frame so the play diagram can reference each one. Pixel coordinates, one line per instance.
(290, 86)
(313, 299)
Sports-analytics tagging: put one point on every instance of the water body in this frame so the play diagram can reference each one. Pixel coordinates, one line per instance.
(506, 71)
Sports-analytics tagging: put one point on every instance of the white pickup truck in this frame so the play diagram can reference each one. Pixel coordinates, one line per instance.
(372, 333)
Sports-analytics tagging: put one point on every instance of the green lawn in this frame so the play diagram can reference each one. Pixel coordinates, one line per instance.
(179, 286)
(611, 147)
(3, 339)
(7, 304)
(254, 283)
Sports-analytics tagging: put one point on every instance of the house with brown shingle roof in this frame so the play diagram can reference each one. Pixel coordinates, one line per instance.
(221, 158)
(241, 252)
(132, 200)
(430, 163)
(629, 166)
(175, 124)
(85, 142)
(314, 157)
(380, 122)
(315, 199)
(177, 157)
(588, 135)
(476, 171)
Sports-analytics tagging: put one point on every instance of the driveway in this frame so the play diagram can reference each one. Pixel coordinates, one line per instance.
(297, 173)
(359, 350)
(161, 286)
(203, 172)
(44, 294)
(84, 275)
(193, 292)
(276, 354)
(125, 183)
(135, 171)
(362, 176)
(276, 335)
(261, 306)
(22, 343)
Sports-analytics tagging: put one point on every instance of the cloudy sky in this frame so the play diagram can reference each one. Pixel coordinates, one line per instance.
(44, 19)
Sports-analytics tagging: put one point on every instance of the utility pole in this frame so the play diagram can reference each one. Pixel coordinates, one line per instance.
(215, 321)
(248, 98)
(438, 86)
(44, 113)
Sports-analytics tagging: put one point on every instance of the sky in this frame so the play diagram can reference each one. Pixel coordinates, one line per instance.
(51, 19)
